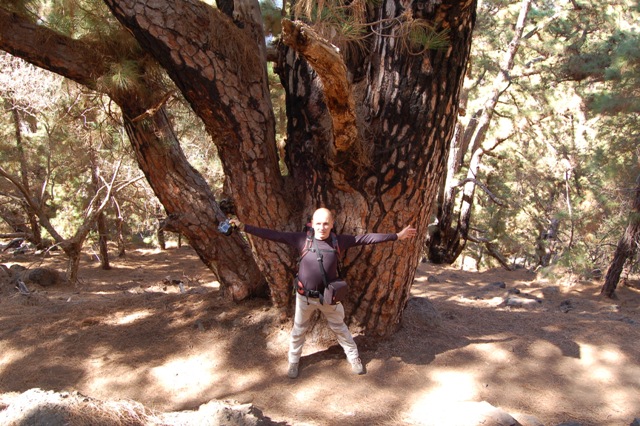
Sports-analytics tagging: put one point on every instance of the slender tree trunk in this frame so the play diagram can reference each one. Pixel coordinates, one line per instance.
(103, 239)
(161, 241)
(161, 225)
(73, 251)
(100, 220)
(627, 247)
(35, 236)
(122, 250)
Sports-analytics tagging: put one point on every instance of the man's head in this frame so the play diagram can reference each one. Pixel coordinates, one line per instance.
(322, 222)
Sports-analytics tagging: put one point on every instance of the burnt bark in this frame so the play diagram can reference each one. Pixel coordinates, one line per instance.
(627, 247)
(391, 174)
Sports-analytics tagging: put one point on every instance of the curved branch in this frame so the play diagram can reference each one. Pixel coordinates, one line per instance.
(484, 188)
(49, 50)
(492, 250)
(44, 220)
(327, 62)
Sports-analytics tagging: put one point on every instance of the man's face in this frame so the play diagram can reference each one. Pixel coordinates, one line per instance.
(322, 223)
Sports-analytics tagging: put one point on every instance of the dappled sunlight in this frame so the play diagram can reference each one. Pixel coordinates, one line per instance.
(421, 279)
(9, 356)
(448, 385)
(608, 365)
(593, 355)
(542, 351)
(123, 334)
(121, 318)
(185, 377)
(303, 395)
(492, 351)
(449, 388)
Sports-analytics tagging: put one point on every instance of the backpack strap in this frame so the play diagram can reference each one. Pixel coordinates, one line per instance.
(334, 243)
(307, 245)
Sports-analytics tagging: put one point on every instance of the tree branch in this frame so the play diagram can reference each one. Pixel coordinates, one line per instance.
(327, 62)
(484, 188)
(492, 250)
(15, 235)
(49, 50)
(44, 220)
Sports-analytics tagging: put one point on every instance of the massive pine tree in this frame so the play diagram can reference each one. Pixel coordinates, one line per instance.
(367, 132)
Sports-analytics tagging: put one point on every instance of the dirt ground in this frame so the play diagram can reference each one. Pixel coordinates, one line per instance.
(155, 330)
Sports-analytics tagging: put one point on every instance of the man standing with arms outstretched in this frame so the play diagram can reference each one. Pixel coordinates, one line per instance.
(311, 280)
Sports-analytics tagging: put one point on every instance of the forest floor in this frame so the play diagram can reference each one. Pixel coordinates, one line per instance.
(132, 333)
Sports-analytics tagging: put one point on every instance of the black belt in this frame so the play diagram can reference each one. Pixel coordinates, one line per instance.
(314, 294)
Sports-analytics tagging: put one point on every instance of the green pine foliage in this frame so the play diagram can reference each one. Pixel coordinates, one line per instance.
(572, 110)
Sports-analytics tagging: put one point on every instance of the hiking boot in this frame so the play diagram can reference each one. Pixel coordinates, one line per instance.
(356, 366)
(293, 370)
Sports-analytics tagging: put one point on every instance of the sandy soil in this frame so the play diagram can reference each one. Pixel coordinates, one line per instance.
(560, 353)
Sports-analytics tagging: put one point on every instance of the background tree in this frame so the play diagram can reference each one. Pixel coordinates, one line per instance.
(447, 240)
(561, 166)
(627, 246)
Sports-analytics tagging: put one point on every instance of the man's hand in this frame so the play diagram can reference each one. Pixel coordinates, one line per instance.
(237, 224)
(407, 232)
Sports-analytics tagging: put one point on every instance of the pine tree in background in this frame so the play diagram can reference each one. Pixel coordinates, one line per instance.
(560, 169)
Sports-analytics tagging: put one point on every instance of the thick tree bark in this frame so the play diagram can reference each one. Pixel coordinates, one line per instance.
(188, 199)
(151, 135)
(626, 249)
(405, 124)
(220, 70)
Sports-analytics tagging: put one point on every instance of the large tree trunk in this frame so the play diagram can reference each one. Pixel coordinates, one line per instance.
(188, 199)
(627, 247)
(366, 138)
(390, 175)
(220, 69)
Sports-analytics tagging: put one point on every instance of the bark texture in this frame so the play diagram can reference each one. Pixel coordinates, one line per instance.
(626, 249)
(219, 67)
(182, 190)
(406, 109)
